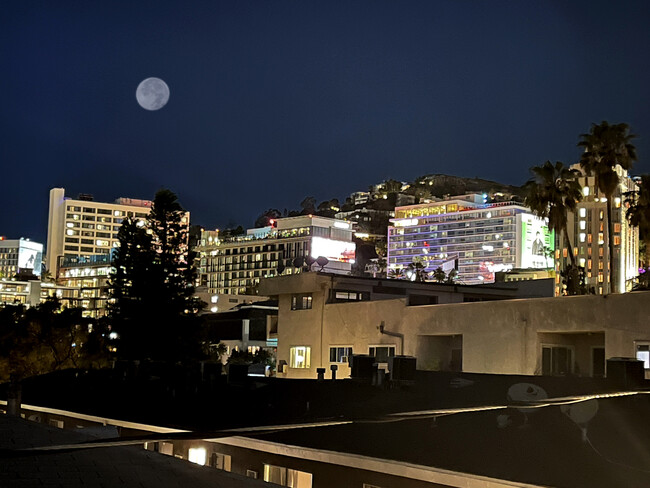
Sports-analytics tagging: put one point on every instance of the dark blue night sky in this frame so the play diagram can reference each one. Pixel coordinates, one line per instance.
(272, 101)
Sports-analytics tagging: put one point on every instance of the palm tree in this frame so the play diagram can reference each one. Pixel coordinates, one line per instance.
(396, 273)
(638, 213)
(607, 146)
(439, 275)
(416, 270)
(554, 191)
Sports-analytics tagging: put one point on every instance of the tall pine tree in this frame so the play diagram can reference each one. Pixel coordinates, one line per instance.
(152, 287)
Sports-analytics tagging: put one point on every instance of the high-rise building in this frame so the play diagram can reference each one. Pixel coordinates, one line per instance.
(83, 227)
(475, 238)
(588, 231)
(234, 266)
(20, 256)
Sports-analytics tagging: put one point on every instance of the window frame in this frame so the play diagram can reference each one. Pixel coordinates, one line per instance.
(340, 352)
(302, 301)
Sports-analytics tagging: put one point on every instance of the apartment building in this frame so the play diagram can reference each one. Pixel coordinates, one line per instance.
(475, 238)
(235, 266)
(83, 227)
(323, 320)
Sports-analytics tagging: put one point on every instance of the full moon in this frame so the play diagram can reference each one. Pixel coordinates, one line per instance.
(152, 94)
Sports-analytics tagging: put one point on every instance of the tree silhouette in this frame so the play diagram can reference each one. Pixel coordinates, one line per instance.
(553, 191)
(152, 287)
(439, 275)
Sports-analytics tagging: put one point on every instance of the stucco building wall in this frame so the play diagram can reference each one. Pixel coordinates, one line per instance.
(503, 337)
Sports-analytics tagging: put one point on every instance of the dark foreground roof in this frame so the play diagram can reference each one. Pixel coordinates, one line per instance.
(542, 446)
(98, 468)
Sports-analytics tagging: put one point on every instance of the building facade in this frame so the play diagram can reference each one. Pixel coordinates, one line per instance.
(33, 292)
(20, 256)
(89, 275)
(588, 233)
(235, 266)
(457, 330)
(314, 332)
(475, 238)
(83, 227)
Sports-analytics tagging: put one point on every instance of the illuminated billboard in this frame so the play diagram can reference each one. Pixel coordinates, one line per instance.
(537, 243)
(30, 256)
(341, 251)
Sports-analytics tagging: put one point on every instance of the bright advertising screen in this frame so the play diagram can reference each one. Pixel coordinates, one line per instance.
(30, 256)
(341, 251)
(538, 243)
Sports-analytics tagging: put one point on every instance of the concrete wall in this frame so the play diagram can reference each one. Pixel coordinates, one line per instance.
(502, 337)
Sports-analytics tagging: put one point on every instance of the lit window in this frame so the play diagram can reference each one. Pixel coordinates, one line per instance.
(585, 191)
(643, 354)
(617, 202)
(582, 262)
(197, 455)
(583, 212)
(583, 225)
(300, 357)
(583, 236)
(301, 301)
(601, 239)
(617, 227)
(287, 477)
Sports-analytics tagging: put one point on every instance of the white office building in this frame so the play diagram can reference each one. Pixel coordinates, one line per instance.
(83, 227)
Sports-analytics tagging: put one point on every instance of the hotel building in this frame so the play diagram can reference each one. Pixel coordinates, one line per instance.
(83, 227)
(475, 238)
(588, 231)
(89, 275)
(235, 266)
(20, 255)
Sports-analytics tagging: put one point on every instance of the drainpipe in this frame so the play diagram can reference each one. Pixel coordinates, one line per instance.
(393, 334)
(324, 289)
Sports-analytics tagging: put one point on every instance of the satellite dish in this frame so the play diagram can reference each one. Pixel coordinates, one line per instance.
(581, 413)
(288, 263)
(310, 260)
(526, 393)
(298, 262)
(322, 261)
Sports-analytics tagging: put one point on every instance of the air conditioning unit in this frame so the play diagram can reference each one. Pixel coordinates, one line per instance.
(344, 359)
